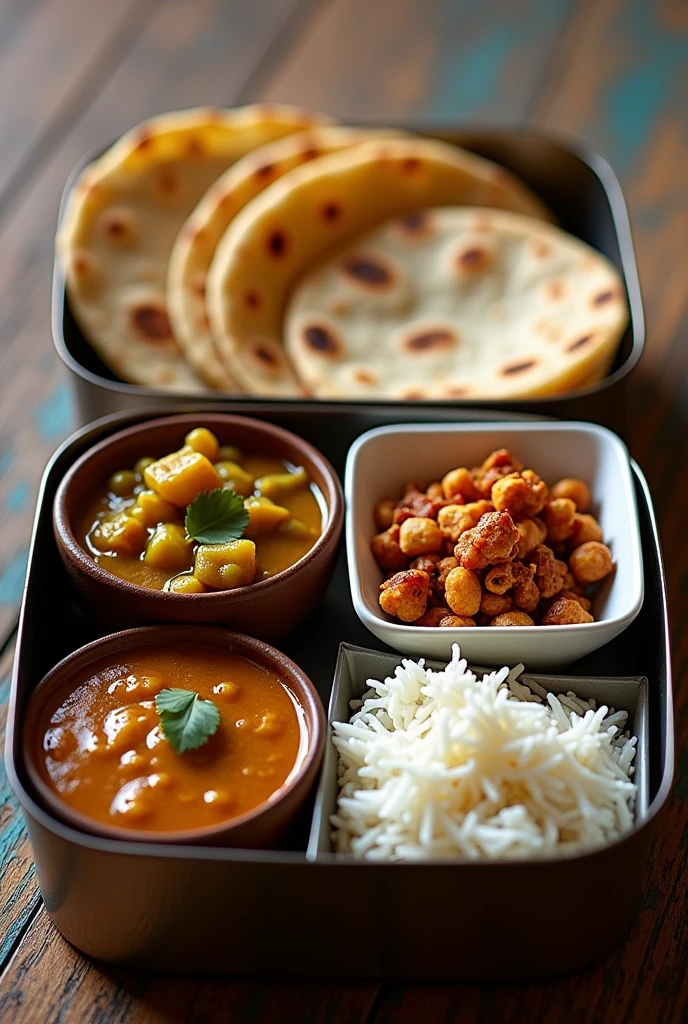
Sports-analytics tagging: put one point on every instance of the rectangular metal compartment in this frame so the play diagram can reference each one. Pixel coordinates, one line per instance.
(275, 913)
(355, 665)
(574, 180)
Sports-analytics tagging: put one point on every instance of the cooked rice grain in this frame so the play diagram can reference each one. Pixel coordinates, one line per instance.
(443, 764)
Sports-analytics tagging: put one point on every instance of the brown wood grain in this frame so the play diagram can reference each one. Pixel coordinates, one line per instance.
(73, 43)
(48, 981)
(18, 887)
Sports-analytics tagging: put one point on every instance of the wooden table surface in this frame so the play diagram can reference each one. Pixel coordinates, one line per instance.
(75, 73)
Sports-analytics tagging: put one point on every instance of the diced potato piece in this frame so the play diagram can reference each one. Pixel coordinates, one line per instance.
(181, 476)
(120, 534)
(264, 516)
(274, 484)
(225, 566)
(168, 548)
(296, 529)
(229, 453)
(150, 509)
(236, 477)
(204, 441)
(186, 584)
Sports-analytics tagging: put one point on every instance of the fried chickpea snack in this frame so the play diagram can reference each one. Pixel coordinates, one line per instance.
(492, 545)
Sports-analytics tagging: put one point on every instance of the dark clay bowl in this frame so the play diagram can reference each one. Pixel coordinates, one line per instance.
(259, 828)
(268, 609)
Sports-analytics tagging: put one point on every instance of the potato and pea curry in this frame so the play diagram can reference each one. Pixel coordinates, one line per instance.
(110, 751)
(138, 526)
(490, 546)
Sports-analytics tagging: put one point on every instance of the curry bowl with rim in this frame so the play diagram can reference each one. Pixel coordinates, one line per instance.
(381, 461)
(116, 657)
(268, 608)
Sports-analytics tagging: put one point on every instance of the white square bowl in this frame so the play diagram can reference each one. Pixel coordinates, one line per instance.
(381, 461)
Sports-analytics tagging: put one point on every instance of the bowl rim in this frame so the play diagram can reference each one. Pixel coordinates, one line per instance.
(299, 684)
(388, 630)
(66, 539)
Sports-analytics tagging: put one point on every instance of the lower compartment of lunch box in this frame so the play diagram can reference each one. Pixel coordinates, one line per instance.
(274, 913)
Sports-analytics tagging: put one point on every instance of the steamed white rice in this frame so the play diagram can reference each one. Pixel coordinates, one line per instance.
(443, 764)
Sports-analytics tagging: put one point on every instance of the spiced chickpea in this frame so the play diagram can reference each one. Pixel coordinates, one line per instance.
(512, 619)
(493, 540)
(433, 616)
(564, 612)
(428, 563)
(559, 515)
(420, 535)
(456, 621)
(386, 549)
(571, 595)
(585, 528)
(462, 591)
(591, 562)
(434, 490)
(522, 495)
(548, 575)
(453, 520)
(459, 482)
(405, 595)
(575, 489)
(531, 532)
(384, 513)
(495, 604)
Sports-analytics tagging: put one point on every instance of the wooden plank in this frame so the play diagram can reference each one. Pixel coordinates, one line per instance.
(73, 42)
(447, 61)
(18, 889)
(48, 981)
(189, 54)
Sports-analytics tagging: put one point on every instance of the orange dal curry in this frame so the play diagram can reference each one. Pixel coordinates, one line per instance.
(102, 751)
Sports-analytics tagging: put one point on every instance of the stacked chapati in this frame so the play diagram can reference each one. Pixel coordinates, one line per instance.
(269, 251)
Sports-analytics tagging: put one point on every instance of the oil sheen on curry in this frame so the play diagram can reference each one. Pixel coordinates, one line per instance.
(104, 752)
(134, 525)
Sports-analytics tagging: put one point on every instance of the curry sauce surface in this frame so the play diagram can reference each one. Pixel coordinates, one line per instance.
(102, 750)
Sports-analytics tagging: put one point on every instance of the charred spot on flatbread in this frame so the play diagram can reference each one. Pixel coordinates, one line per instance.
(150, 323)
(414, 394)
(331, 211)
(429, 340)
(555, 290)
(474, 259)
(266, 356)
(364, 376)
(323, 340)
(195, 147)
(85, 273)
(513, 369)
(369, 271)
(252, 298)
(411, 165)
(456, 390)
(540, 250)
(198, 286)
(585, 339)
(263, 172)
(168, 184)
(143, 139)
(604, 297)
(415, 226)
(277, 243)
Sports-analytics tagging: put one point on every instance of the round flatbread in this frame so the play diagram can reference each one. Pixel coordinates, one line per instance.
(121, 221)
(457, 302)
(198, 238)
(315, 209)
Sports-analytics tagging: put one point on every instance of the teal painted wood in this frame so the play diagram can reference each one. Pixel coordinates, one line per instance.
(499, 50)
(19, 896)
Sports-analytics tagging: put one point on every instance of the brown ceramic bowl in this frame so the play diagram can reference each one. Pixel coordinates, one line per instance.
(268, 609)
(258, 828)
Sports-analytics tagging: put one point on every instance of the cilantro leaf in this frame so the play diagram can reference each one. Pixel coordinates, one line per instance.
(214, 517)
(186, 721)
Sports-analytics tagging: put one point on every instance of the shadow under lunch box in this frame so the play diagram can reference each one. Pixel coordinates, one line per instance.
(301, 911)
(576, 183)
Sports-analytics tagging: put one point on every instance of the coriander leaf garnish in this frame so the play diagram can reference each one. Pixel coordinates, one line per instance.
(214, 517)
(186, 721)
